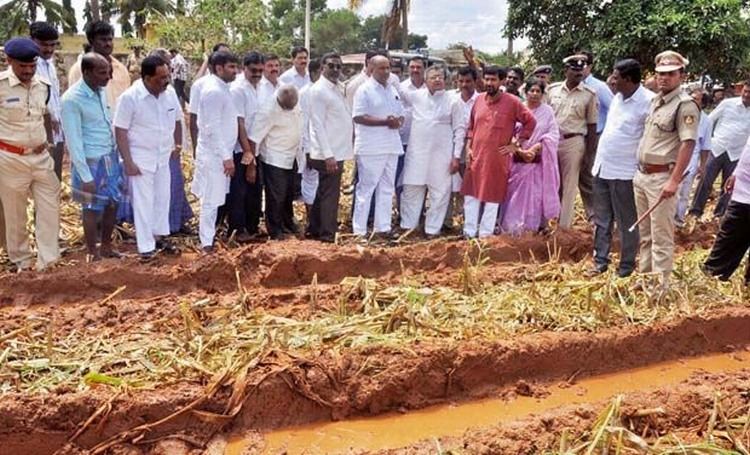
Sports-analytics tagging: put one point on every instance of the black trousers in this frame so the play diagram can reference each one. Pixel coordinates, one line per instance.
(732, 242)
(715, 165)
(614, 201)
(245, 199)
(323, 222)
(57, 157)
(279, 185)
(179, 87)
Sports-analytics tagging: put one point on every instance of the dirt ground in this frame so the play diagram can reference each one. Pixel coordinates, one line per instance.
(281, 389)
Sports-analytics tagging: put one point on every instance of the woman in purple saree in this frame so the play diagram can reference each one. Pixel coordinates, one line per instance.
(534, 183)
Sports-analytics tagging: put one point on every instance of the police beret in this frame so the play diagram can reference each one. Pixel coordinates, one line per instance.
(545, 69)
(577, 61)
(22, 49)
(669, 61)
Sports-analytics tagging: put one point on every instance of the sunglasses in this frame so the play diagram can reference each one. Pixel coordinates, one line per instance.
(334, 66)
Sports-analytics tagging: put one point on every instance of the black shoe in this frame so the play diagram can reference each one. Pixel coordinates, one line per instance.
(208, 249)
(311, 235)
(109, 253)
(167, 247)
(327, 239)
(148, 256)
(624, 273)
(291, 229)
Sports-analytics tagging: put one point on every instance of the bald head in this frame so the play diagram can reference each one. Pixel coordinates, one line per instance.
(287, 97)
(96, 70)
(381, 68)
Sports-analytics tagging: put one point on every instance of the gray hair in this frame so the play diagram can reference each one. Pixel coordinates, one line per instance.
(440, 69)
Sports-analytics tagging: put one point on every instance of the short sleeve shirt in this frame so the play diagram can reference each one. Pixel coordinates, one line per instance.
(674, 118)
(22, 110)
(574, 109)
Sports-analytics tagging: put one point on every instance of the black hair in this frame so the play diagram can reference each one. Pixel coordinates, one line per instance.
(518, 70)
(253, 58)
(629, 69)
(495, 70)
(218, 45)
(150, 63)
(315, 64)
(174, 50)
(270, 56)
(421, 59)
(221, 58)
(534, 82)
(589, 57)
(88, 61)
(468, 71)
(373, 52)
(98, 28)
(329, 56)
(42, 31)
(299, 49)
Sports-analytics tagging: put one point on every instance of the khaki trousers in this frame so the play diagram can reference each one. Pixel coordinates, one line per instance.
(19, 177)
(657, 230)
(570, 156)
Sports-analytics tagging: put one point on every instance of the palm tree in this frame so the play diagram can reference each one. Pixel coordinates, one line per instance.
(140, 10)
(18, 14)
(399, 15)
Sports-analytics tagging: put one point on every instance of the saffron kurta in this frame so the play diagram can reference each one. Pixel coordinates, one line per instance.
(491, 126)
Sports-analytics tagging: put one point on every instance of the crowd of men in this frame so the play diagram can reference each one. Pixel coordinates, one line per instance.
(512, 154)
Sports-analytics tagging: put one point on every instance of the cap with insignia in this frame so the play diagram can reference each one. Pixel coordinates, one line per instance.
(542, 69)
(21, 49)
(575, 61)
(669, 61)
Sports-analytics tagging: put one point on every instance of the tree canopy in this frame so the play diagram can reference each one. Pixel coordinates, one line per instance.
(713, 34)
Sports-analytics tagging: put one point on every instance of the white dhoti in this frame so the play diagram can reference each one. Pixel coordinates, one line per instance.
(377, 176)
(473, 224)
(210, 186)
(413, 198)
(150, 192)
(309, 184)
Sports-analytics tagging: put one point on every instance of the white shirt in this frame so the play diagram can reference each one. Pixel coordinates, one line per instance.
(375, 100)
(150, 122)
(195, 93)
(353, 84)
(731, 121)
(617, 154)
(46, 69)
(331, 124)
(280, 131)
(407, 87)
(703, 142)
(292, 77)
(247, 104)
(217, 119)
(266, 90)
(468, 105)
(304, 109)
(605, 99)
(741, 192)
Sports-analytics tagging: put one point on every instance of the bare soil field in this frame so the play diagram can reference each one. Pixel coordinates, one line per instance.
(181, 354)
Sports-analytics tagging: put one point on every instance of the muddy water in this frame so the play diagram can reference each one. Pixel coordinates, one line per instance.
(398, 430)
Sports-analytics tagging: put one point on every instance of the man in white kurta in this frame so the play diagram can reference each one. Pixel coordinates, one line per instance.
(309, 175)
(436, 140)
(148, 130)
(378, 115)
(214, 162)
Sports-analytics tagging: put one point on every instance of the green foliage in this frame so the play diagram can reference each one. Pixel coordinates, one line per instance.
(243, 24)
(337, 30)
(69, 28)
(713, 34)
(16, 15)
(139, 12)
(372, 35)
(287, 19)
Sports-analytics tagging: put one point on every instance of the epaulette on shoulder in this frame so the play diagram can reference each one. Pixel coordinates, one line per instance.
(556, 84)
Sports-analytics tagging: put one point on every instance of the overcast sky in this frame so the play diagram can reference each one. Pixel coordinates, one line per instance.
(476, 22)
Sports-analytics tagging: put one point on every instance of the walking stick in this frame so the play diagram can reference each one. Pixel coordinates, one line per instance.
(643, 217)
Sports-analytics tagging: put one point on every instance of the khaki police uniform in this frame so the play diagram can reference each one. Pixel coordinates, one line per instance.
(574, 110)
(24, 172)
(673, 118)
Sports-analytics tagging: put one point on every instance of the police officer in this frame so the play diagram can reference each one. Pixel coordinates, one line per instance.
(576, 111)
(26, 165)
(663, 155)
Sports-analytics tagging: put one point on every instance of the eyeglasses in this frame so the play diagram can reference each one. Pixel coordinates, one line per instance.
(436, 77)
(255, 70)
(334, 66)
